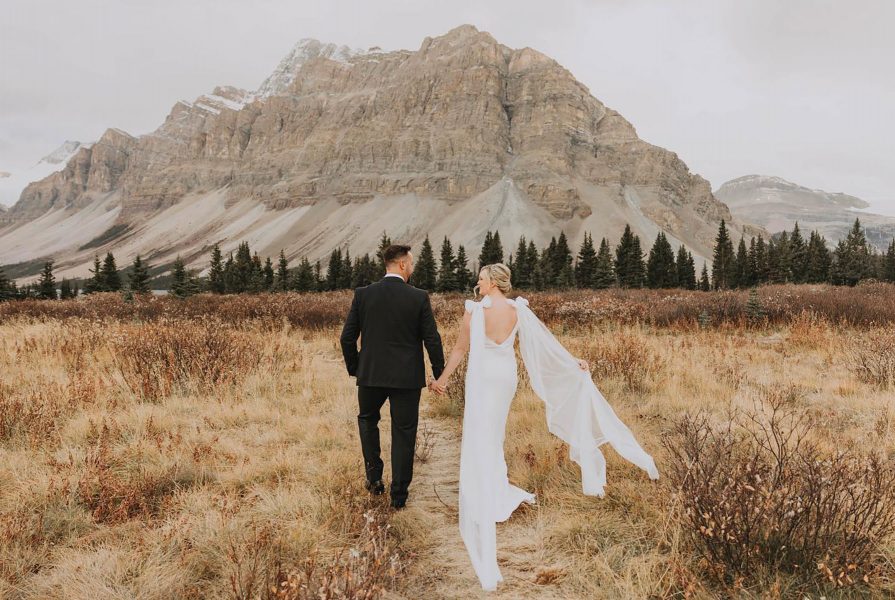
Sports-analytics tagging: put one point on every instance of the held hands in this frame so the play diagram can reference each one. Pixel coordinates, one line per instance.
(437, 386)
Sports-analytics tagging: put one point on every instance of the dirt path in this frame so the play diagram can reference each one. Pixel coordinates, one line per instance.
(443, 570)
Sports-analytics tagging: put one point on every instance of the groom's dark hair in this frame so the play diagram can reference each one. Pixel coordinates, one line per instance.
(394, 252)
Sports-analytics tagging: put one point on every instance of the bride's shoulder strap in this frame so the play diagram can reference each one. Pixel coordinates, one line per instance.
(520, 301)
(470, 305)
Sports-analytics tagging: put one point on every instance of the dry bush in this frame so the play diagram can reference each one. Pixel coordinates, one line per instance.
(808, 329)
(269, 311)
(154, 359)
(870, 356)
(364, 572)
(868, 304)
(31, 411)
(115, 490)
(424, 445)
(627, 356)
(23, 543)
(255, 561)
(761, 498)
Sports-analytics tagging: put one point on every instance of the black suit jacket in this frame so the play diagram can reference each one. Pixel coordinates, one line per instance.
(394, 320)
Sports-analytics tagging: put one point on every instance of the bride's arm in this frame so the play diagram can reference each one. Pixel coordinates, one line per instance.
(461, 346)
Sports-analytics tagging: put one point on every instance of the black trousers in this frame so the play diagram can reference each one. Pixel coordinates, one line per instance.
(404, 406)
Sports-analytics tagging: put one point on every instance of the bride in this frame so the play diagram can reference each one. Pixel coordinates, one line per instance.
(576, 412)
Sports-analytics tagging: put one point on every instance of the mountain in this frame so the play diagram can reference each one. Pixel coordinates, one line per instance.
(336, 146)
(776, 204)
(12, 183)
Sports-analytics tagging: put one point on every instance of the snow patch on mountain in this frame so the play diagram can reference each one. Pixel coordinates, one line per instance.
(13, 183)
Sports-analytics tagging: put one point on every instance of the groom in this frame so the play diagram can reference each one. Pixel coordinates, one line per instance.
(394, 320)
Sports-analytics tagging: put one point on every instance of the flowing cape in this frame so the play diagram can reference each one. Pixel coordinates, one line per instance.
(577, 412)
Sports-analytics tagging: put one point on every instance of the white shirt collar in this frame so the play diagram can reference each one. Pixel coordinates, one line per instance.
(395, 275)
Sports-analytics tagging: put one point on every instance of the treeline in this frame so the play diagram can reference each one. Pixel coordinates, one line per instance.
(784, 258)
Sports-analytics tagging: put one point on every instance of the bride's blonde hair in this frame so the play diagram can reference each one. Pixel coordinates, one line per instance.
(499, 274)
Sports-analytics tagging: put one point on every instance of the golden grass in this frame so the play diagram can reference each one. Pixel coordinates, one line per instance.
(110, 492)
(236, 465)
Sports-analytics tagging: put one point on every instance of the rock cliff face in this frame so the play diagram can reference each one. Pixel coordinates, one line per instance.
(776, 204)
(338, 145)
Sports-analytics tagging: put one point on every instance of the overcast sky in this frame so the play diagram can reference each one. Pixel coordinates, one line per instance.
(801, 89)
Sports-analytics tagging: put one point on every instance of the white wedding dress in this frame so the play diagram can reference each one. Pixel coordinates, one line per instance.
(576, 412)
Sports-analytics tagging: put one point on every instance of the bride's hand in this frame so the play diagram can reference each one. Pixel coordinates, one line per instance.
(439, 386)
(583, 364)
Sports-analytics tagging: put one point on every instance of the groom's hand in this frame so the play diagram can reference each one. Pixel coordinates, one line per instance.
(433, 387)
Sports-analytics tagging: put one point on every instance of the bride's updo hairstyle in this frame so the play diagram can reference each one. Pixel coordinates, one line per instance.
(499, 274)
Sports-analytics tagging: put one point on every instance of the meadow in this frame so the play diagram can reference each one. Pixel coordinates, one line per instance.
(207, 448)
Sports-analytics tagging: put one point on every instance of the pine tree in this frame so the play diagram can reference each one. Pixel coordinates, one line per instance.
(798, 255)
(384, 243)
(95, 283)
(282, 281)
(7, 287)
(447, 271)
(751, 273)
(680, 266)
(660, 268)
(182, 282)
(754, 310)
(334, 271)
(497, 248)
(723, 262)
(46, 284)
(629, 265)
(546, 267)
(365, 271)
(267, 275)
(762, 268)
(779, 259)
(586, 267)
(564, 272)
(492, 250)
(230, 275)
(604, 272)
(138, 278)
(319, 281)
(852, 259)
(690, 272)
(818, 259)
(257, 277)
(65, 291)
(244, 277)
(216, 282)
(462, 275)
(521, 274)
(704, 284)
(741, 267)
(304, 277)
(110, 276)
(888, 263)
(347, 274)
(425, 271)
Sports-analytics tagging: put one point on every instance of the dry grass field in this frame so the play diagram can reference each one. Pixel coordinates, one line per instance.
(208, 448)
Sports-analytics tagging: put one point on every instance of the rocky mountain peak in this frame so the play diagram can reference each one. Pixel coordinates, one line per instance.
(338, 145)
(305, 50)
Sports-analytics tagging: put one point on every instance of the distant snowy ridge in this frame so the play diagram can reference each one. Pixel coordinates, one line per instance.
(12, 184)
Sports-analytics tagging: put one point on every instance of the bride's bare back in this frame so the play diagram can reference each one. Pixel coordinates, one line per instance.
(500, 320)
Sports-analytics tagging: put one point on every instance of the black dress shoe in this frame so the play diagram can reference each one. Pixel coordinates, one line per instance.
(375, 487)
(398, 504)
